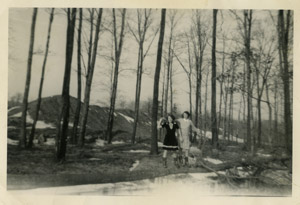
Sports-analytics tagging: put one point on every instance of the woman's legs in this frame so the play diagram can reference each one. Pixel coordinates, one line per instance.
(165, 158)
(186, 156)
(165, 153)
(175, 157)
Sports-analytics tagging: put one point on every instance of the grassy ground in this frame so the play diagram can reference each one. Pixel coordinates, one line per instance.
(111, 163)
(92, 164)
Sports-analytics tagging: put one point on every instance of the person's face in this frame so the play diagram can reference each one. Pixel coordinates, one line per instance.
(185, 116)
(170, 119)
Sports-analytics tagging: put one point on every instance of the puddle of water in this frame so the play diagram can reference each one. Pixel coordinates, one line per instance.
(202, 184)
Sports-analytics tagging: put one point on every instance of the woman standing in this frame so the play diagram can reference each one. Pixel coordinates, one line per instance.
(186, 130)
(170, 140)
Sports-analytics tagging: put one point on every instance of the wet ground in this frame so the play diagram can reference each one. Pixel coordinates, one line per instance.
(202, 184)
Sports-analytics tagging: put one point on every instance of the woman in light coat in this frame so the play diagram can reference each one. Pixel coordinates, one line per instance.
(187, 128)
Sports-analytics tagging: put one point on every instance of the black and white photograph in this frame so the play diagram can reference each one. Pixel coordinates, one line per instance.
(150, 101)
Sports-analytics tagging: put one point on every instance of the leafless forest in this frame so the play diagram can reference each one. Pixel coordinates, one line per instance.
(231, 69)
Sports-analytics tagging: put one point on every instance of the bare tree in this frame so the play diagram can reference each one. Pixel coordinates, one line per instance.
(38, 105)
(78, 106)
(143, 24)
(284, 25)
(169, 58)
(154, 147)
(89, 78)
(118, 50)
(199, 42)
(63, 121)
(188, 71)
(247, 40)
(214, 126)
(23, 140)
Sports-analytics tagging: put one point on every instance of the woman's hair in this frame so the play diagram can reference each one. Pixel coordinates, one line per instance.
(172, 116)
(186, 112)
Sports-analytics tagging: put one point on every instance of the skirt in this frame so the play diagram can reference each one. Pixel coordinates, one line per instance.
(170, 143)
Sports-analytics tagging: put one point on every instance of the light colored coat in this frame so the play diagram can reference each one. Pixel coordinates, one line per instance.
(186, 130)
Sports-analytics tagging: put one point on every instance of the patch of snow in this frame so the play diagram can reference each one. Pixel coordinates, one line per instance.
(12, 142)
(138, 151)
(160, 144)
(11, 127)
(118, 142)
(42, 125)
(19, 114)
(214, 161)
(208, 134)
(50, 141)
(13, 108)
(129, 119)
(115, 114)
(135, 164)
(100, 142)
(264, 155)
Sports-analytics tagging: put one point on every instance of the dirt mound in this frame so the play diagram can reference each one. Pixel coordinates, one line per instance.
(96, 123)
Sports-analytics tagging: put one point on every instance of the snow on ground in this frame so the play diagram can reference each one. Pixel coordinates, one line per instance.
(209, 136)
(42, 125)
(117, 142)
(134, 165)
(19, 114)
(39, 124)
(11, 127)
(138, 151)
(160, 144)
(12, 142)
(13, 108)
(50, 141)
(263, 155)
(214, 161)
(129, 119)
(100, 142)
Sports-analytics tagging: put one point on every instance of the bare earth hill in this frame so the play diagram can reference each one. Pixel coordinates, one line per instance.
(96, 124)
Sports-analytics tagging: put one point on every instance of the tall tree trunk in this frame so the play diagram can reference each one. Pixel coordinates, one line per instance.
(214, 126)
(276, 113)
(199, 61)
(38, 104)
(154, 147)
(23, 140)
(270, 138)
(258, 109)
(78, 106)
(138, 92)
(163, 93)
(244, 102)
(89, 79)
(140, 37)
(284, 26)
(205, 104)
(171, 84)
(221, 87)
(118, 51)
(247, 39)
(62, 131)
(230, 117)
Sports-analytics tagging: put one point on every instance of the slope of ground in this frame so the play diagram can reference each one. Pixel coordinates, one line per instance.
(96, 124)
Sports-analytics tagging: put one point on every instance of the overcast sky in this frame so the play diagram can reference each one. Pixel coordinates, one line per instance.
(19, 33)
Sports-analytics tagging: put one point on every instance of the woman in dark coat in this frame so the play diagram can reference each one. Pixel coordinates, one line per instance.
(170, 140)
